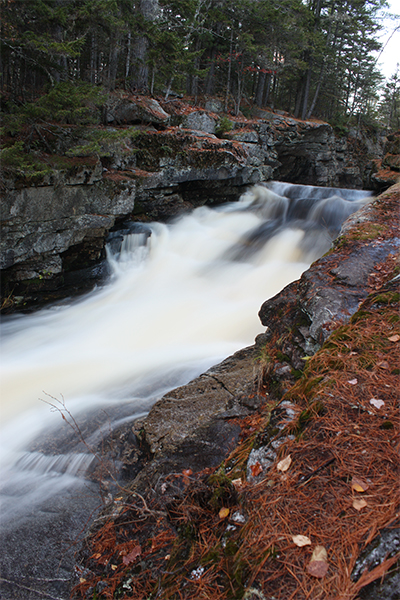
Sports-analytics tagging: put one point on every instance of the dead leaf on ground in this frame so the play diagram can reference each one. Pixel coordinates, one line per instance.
(318, 566)
(284, 464)
(359, 485)
(223, 513)
(394, 338)
(301, 540)
(256, 469)
(383, 364)
(377, 402)
(132, 556)
(319, 553)
(237, 483)
(359, 503)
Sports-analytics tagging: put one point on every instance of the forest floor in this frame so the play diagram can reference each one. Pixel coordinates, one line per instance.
(301, 529)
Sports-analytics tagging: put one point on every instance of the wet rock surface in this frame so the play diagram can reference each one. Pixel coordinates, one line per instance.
(193, 428)
(220, 393)
(330, 291)
(40, 567)
(386, 171)
(384, 546)
(169, 162)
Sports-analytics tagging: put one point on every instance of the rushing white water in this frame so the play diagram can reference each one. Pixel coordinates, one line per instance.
(172, 308)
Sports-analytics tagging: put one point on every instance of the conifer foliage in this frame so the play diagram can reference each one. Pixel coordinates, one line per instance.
(309, 57)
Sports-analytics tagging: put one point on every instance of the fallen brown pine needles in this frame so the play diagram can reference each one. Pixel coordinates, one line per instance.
(225, 538)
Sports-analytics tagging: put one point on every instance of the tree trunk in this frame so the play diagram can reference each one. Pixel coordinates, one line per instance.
(306, 90)
(140, 79)
(149, 9)
(267, 91)
(128, 57)
(209, 87)
(112, 65)
(260, 88)
(228, 83)
(316, 94)
(93, 60)
(299, 97)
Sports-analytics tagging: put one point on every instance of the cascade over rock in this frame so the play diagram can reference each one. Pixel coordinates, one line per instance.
(53, 232)
(298, 319)
(195, 427)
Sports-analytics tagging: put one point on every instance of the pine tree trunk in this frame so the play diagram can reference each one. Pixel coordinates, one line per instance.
(209, 87)
(140, 80)
(316, 94)
(113, 65)
(93, 60)
(260, 88)
(228, 83)
(299, 97)
(267, 91)
(149, 9)
(128, 57)
(306, 90)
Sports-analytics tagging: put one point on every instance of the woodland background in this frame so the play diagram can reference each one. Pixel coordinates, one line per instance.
(310, 57)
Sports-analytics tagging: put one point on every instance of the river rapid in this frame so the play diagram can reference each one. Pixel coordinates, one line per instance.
(180, 298)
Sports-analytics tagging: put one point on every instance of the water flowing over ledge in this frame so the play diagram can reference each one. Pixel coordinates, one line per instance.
(173, 307)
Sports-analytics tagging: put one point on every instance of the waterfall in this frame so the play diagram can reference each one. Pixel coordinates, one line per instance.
(181, 297)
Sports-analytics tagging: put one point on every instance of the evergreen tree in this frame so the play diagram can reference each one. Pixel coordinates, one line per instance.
(305, 56)
(390, 103)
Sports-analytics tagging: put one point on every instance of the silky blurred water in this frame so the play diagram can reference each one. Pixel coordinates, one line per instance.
(177, 302)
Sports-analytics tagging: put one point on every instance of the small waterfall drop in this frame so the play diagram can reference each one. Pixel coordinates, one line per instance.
(181, 298)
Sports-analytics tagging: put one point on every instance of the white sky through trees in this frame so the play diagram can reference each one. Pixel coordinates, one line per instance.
(391, 52)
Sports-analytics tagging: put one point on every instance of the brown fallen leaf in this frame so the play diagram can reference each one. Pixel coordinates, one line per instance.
(223, 513)
(318, 566)
(319, 553)
(256, 469)
(383, 364)
(284, 464)
(237, 483)
(359, 485)
(394, 338)
(186, 474)
(301, 540)
(359, 503)
(132, 556)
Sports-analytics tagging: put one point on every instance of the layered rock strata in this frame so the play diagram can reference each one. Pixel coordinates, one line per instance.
(166, 160)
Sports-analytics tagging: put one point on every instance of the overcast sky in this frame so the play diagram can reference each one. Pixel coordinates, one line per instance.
(391, 53)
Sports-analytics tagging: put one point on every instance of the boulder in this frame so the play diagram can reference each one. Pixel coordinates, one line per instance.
(133, 110)
(199, 120)
(214, 105)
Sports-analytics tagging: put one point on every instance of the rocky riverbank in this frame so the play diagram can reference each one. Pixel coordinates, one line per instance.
(294, 436)
(152, 161)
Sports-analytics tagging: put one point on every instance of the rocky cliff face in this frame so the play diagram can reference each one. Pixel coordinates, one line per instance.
(386, 171)
(53, 232)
